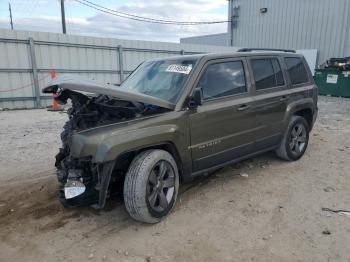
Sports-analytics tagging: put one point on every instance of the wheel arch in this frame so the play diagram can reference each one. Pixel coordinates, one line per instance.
(124, 159)
(121, 164)
(307, 114)
(303, 108)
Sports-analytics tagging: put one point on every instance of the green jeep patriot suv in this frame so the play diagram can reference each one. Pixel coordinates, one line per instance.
(176, 118)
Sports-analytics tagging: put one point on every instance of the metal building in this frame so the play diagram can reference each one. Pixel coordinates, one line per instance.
(293, 24)
(217, 39)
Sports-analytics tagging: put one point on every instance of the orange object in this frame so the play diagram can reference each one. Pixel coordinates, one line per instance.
(55, 103)
(53, 75)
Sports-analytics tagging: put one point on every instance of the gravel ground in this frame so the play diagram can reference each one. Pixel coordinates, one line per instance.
(274, 214)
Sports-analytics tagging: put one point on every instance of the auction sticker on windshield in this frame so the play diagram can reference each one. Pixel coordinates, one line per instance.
(182, 69)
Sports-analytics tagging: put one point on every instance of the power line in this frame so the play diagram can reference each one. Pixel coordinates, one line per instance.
(141, 18)
(23, 7)
(20, 5)
(146, 18)
(32, 8)
(27, 7)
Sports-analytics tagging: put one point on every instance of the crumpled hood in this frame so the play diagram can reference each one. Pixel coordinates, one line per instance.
(80, 84)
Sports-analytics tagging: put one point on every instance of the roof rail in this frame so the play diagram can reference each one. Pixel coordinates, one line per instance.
(265, 49)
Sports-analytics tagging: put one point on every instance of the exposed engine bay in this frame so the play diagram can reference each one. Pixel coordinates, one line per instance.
(89, 112)
(81, 180)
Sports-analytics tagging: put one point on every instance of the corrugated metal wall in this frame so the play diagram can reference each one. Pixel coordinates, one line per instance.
(295, 24)
(216, 39)
(94, 58)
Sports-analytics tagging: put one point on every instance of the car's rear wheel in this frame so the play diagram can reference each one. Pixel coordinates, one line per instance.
(295, 140)
(151, 186)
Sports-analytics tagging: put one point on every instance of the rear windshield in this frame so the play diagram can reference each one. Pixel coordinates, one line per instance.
(163, 79)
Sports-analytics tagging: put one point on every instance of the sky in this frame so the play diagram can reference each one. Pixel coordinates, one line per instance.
(44, 15)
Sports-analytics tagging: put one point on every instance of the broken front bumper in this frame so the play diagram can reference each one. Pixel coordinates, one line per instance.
(84, 183)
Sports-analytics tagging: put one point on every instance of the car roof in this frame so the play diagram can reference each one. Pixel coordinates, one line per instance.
(209, 56)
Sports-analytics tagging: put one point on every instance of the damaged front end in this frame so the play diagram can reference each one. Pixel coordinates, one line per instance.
(78, 180)
(82, 181)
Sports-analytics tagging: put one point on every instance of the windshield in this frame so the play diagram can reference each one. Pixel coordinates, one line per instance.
(163, 79)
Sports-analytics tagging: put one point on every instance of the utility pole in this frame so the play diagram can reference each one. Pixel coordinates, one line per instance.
(63, 17)
(229, 26)
(11, 22)
(233, 16)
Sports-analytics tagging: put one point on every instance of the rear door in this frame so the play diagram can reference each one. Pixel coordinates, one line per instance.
(271, 99)
(223, 127)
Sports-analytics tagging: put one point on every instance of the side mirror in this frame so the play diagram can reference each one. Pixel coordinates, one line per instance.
(196, 98)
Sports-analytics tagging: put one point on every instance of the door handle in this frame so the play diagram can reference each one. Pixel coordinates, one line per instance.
(243, 107)
(284, 98)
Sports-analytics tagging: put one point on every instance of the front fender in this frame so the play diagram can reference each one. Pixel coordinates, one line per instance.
(108, 146)
(120, 142)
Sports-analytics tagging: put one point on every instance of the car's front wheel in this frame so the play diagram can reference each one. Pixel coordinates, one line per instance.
(151, 186)
(295, 140)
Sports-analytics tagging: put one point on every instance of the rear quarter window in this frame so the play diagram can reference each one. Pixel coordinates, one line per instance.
(296, 70)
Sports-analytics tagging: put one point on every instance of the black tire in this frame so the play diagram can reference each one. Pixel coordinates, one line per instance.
(294, 144)
(151, 186)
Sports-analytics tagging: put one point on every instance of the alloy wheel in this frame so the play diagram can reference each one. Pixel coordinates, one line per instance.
(298, 137)
(161, 186)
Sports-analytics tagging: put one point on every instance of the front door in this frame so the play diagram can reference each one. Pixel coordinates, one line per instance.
(223, 127)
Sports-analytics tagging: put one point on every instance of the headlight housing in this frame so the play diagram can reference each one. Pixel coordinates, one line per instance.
(73, 188)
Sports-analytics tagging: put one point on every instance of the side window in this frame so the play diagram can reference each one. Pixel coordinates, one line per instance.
(297, 71)
(278, 72)
(223, 79)
(267, 73)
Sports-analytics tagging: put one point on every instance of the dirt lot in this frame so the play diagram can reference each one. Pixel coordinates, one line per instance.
(274, 214)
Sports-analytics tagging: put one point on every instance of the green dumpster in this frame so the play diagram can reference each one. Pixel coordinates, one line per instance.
(332, 81)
